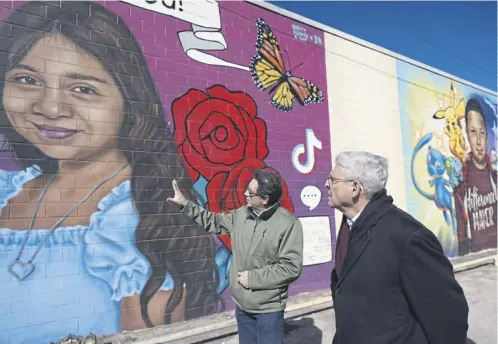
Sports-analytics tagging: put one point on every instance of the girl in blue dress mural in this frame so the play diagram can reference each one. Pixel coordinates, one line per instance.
(88, 242)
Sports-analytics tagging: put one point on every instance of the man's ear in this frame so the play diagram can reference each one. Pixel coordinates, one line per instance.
(266, 199)
(356, 188)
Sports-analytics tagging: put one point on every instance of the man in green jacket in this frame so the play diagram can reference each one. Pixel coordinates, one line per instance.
(267, 245)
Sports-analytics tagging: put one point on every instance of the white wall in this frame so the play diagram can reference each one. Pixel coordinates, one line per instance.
(364, 109)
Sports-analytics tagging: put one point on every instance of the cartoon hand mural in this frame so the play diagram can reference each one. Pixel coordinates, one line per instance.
(222, 142)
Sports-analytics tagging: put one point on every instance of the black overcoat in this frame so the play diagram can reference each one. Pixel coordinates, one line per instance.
(396, 284)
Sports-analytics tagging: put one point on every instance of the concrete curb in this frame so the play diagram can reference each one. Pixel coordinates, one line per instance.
(191, 332)
(475, 263)
(188, 333)
(224, 324)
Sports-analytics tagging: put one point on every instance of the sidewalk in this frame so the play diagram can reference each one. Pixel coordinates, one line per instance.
(217, 328)
(479, 285)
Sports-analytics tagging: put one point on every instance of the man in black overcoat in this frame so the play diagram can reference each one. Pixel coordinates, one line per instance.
(392, 282)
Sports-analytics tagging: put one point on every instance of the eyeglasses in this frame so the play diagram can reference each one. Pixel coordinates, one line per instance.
(252, 194)
(337, 180)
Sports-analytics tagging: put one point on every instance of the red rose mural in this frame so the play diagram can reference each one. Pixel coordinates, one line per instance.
(216, 130)
(222, 141)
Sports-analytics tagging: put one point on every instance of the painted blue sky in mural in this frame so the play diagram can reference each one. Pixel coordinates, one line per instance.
(458, 37)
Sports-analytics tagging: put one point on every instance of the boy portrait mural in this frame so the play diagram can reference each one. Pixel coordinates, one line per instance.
(475, 196)
(449, 143)
(102, 105)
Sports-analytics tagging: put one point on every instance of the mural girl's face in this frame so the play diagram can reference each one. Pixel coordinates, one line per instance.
(62, 100)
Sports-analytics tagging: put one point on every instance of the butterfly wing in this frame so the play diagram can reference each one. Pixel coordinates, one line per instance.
(263, 73)
(283, 98)
(305, 91)
(268, 47)
(267, 68)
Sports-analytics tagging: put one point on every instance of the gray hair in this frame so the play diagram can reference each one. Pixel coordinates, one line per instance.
(368, 169)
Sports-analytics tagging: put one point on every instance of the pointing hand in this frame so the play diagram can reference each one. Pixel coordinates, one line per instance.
(178, 198)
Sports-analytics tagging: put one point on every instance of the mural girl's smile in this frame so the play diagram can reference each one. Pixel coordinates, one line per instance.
(55, 133)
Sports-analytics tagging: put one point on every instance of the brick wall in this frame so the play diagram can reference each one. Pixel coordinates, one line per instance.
(103, 104)
(92, 91)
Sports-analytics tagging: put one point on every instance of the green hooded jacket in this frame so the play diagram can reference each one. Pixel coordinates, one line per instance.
(268, 246)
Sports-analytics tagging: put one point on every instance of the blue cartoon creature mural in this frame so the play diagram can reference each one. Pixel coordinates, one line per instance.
(437, 166)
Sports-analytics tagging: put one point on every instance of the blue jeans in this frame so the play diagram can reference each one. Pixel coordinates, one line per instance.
(260, 328)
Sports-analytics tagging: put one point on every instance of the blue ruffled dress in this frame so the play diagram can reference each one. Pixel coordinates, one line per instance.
(80, 275)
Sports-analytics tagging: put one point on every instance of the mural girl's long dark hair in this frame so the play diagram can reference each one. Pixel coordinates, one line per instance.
(169, 241)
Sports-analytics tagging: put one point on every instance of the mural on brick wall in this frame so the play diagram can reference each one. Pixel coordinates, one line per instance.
(449, 143)
(102, 105)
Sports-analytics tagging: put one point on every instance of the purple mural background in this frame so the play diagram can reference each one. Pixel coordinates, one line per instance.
(175, 73)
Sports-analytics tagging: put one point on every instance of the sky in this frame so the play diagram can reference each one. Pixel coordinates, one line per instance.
(457, 37)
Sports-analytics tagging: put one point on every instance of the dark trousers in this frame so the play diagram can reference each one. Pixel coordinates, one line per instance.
(261, 328)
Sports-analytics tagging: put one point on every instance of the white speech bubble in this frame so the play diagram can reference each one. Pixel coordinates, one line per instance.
(311, 196)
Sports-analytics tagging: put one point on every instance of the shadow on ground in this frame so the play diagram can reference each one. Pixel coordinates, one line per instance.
(302, 330)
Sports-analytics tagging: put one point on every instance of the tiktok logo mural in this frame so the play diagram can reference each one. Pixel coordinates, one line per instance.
(311, 143)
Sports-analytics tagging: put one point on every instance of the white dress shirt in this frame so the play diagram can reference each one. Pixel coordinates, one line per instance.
(351, 221)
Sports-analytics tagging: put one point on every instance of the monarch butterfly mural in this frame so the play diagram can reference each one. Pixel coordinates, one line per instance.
(268, 71)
